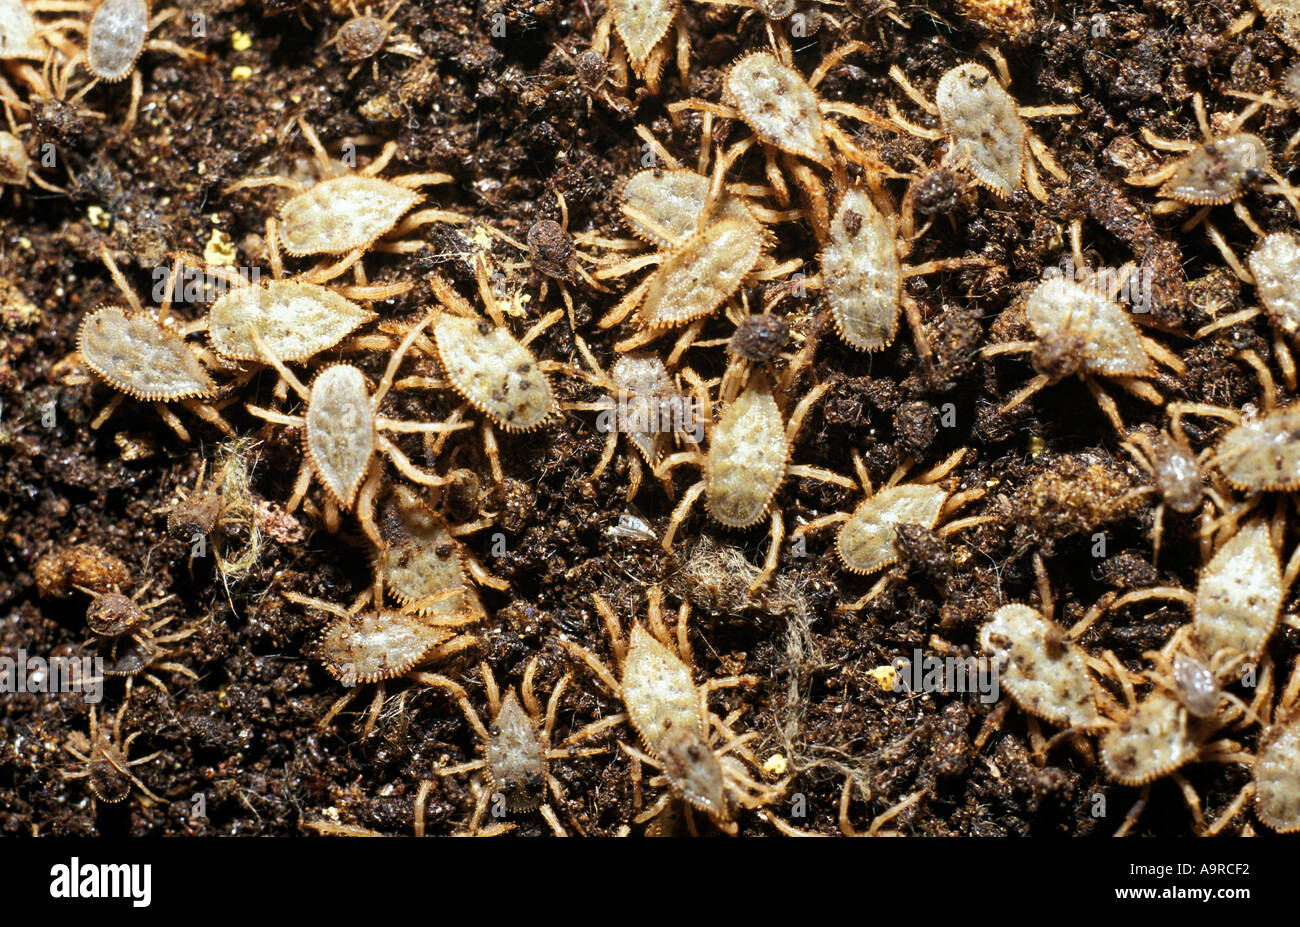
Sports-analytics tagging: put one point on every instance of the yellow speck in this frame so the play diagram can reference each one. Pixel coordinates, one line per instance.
(775, 766)
(25, 243)
(219, 249)
(884, 677)
(240, 41)
(482, 239)
(993, 482)
(242, 72)
(98, 218)
(1036, 446)
(518, 305)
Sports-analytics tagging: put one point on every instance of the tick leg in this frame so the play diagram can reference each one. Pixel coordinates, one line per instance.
(773, 553)
(680, 513)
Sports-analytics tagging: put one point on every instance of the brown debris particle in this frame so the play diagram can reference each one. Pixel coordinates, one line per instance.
(1073, 494)
(81, 565)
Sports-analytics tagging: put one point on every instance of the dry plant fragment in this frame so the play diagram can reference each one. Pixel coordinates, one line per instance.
(1040, 667)
(223, 510)
(716, 578)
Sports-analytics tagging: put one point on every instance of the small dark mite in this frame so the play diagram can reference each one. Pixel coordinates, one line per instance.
(551, 250)
(759, 338)
(937, 193)
(361, 37)
(1058, 356)
(592, 67)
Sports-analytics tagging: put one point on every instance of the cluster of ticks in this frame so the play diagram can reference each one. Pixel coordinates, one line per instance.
(702, 268)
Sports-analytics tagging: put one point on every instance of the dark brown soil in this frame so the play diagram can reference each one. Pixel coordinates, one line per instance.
(515, 121)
